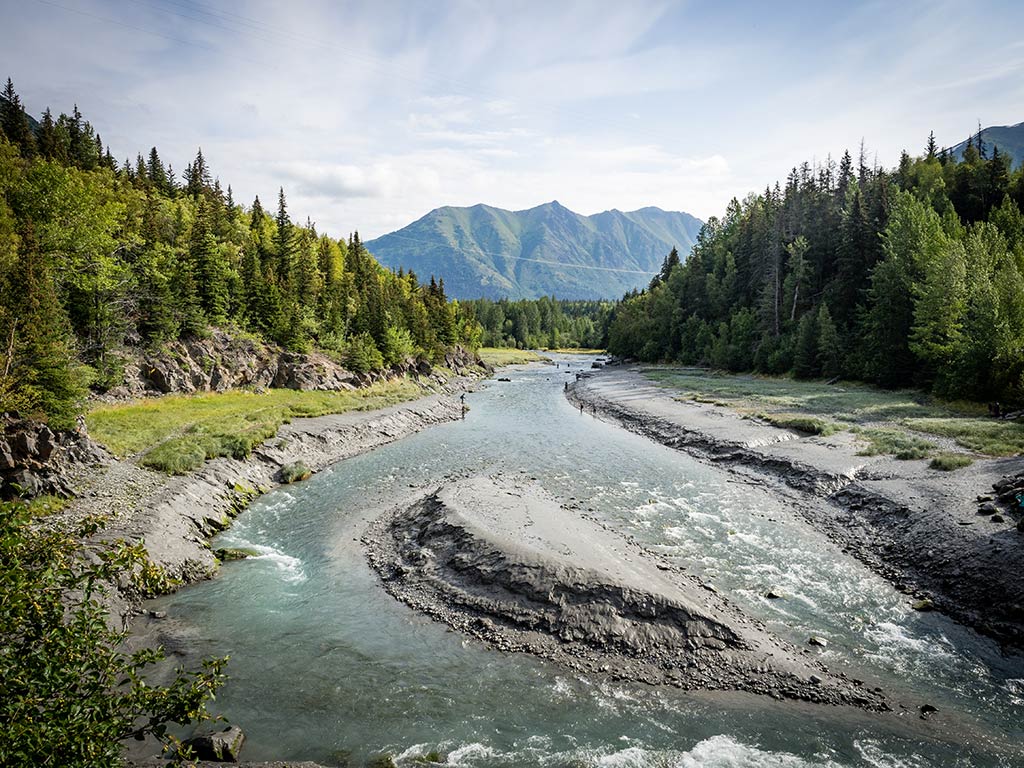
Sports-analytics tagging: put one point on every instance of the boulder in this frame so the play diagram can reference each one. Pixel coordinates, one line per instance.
(221, 744)
(6, 456)
(988, 508)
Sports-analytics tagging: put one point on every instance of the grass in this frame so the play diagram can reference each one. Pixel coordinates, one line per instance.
(499, 356)
(995, 438)
(802, 423)
(177, 433)
(577, 351)
(947, 462)
(896, 442)
(890, 421)
(854, 403)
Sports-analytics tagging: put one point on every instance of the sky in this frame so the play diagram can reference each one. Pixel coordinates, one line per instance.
(370, 114)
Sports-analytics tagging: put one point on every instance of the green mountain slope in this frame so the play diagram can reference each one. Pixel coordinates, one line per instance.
(489, 252)
(1009, 139)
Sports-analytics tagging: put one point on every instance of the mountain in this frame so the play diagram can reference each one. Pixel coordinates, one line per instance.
(1009, 139)
(489, 252)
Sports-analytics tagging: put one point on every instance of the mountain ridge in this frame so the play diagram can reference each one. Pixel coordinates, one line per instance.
(1009, 139)
(486, 251)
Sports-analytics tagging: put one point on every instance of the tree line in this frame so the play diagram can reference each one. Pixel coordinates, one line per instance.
(904, 277)
(546, 322)
(98, 256)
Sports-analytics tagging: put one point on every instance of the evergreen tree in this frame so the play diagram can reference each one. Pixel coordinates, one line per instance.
(14, 121)
(40, 364)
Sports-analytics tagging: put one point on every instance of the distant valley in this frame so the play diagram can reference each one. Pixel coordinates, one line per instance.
(487, 252)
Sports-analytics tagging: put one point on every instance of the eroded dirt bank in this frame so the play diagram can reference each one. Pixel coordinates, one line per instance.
(175, 517)
(503, 561)
(917, 527)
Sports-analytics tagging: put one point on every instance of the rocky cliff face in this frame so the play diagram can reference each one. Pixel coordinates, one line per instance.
(35, 460)
(222, 362)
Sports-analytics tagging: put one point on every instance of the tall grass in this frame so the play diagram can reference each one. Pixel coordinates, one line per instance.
(177, 433)
(499, 356)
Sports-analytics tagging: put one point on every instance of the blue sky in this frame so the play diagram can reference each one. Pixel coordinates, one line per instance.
(370, 114)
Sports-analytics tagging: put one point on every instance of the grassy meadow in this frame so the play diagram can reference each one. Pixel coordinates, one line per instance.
(177, 433)
(902, 423)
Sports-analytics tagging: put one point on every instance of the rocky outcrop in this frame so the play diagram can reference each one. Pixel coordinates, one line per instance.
(35, 460)
(222, 361)
(221, 745)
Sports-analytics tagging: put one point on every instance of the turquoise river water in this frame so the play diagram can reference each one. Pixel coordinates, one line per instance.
(326, 666)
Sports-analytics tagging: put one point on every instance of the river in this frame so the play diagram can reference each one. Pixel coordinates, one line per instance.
(326, 666)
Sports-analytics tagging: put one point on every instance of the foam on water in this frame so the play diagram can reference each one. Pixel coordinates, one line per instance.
(289, 566)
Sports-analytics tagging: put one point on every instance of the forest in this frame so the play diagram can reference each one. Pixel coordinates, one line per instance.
(546, 322)
(903, 277)
(98, 257)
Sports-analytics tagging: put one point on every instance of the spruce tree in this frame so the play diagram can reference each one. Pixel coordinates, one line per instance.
(42, 369)
(14, 121)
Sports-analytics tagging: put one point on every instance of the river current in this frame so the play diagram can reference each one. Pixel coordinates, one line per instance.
(326, 666)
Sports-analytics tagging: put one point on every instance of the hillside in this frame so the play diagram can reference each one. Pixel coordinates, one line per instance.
(1009, 139)
(489, 252)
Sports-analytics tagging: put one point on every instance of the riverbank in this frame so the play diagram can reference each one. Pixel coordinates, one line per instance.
(916, 526)
(175, 517)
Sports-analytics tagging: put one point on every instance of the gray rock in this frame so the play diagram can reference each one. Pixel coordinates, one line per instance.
(24, 445)
(821, 642)
(988, 508)
(222, 745)
(6, 456)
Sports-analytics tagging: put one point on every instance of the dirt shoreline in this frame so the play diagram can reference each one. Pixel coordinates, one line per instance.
(917, 527)
(176, 517)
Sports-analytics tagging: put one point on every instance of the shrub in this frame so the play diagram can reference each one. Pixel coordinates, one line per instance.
(70, 694)
(294, 472)
(947, 462)
(362, 356)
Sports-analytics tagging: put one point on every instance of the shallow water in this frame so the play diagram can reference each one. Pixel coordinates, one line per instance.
(326, 666)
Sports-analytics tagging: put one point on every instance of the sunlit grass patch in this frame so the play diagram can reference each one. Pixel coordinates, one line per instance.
(947, 462)
(995, 438)
(894, 442)
(499, 356)
(802, 423)
(183, 431)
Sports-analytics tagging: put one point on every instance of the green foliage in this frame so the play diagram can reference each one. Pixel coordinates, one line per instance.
(995, 438)
(505, 356)
(185, 430)
(118, 255)
(896, 442)
(544, 323)
(947, 462)
(802, 423)
(70, 695)
(904, 278)
(361, 355)
(294, 472)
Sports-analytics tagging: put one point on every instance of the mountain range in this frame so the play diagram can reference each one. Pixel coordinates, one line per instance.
(1009, 139)
(488, 252)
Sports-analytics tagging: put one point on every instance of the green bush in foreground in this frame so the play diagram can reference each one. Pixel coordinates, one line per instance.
(947, 462)
(69, 696)
(294, 473)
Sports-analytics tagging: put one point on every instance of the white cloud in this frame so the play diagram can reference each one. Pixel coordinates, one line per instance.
(371, 114)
